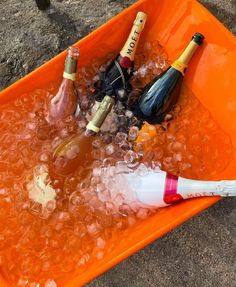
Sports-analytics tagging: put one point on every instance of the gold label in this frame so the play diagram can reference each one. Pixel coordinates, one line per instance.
(131, 44)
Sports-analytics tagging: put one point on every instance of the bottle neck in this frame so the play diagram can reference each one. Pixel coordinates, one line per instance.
(131, 44)
(182, 62)
(100, 115)
(189, 188)
(71, 64)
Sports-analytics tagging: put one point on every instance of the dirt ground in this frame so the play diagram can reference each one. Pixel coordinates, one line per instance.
(202, 252)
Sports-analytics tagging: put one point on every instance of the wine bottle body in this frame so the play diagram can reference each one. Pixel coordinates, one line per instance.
(159, 97)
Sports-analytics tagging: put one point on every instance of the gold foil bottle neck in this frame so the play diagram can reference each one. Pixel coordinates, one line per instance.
(71, 63)
(101, 114)
(131, 43)
(182, 62)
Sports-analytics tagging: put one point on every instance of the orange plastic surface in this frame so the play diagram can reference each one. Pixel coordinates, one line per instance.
(211, 77)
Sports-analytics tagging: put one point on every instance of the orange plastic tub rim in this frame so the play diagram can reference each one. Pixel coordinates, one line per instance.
(212, 79)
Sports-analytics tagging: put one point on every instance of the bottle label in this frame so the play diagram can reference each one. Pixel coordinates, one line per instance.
(200, 194)
(170, 194)
(131, 44)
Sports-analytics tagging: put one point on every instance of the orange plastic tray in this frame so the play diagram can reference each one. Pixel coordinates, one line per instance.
(211, 77)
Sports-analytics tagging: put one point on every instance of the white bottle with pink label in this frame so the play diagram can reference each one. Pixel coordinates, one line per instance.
(152, 188)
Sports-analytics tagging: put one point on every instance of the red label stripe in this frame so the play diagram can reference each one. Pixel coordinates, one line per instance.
(170, 194)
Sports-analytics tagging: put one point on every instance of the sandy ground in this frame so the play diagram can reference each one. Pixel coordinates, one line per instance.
(202, 252)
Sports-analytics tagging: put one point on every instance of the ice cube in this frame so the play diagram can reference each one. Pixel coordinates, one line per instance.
(133, 133)
(121, 167)
(75, 198)
(97, 172)
(97, 143)
(110, 149)
(83, 260)
(3, 191)
(142, 213)
(131, 220)
(44, 157)
(120, 137)
(82, 124)
(31, 125)
(34, 284)
(131, 158)
(103, 196)
(51, 205)
(50, 283)
(101, 243)
(100, 255)
(72, 152)
(129, 114)
(93, 228)
(40, 191)
(22, 282)
(63, 216)
(178, 157)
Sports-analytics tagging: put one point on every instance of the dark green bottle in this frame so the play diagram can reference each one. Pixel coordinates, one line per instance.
(159, 96)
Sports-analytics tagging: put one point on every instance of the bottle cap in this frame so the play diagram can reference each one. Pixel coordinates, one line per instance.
(73, 51)
(198, 38)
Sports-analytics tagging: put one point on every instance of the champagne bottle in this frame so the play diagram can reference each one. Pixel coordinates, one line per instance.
(73, 151)
(153, 188)
(114, 81)
(159, 96)
(65, 102)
